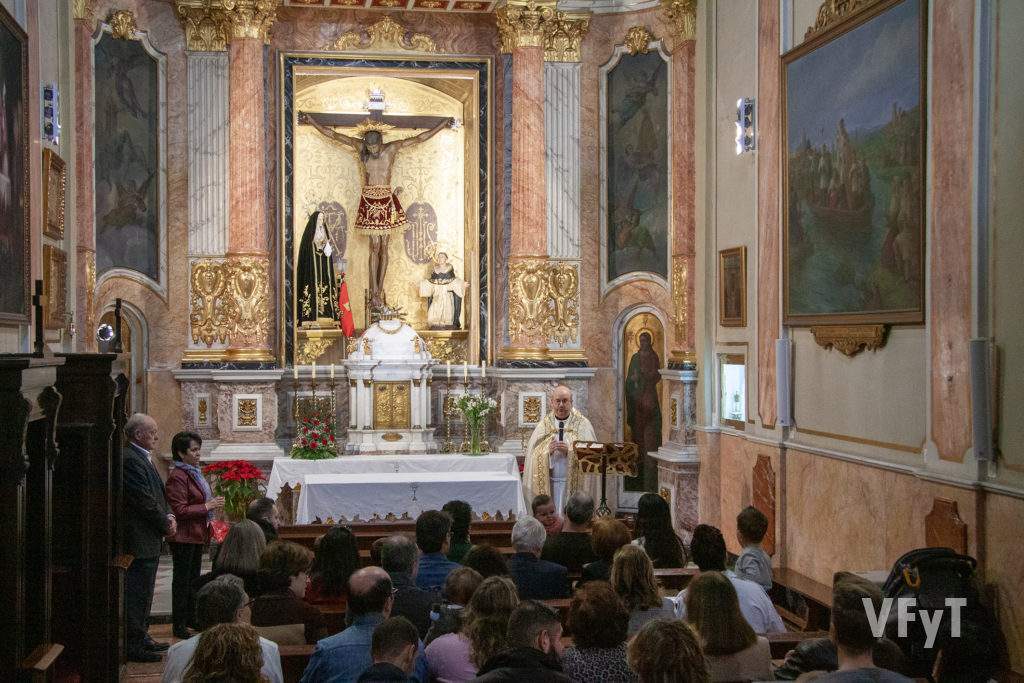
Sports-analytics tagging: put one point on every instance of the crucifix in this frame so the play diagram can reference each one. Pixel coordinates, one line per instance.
(380, 214)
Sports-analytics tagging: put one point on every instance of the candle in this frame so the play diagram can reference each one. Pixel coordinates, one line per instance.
(295, 373)
(483, 369)
(314, 369)
(448, 366)
(332, 370)
(465, 372)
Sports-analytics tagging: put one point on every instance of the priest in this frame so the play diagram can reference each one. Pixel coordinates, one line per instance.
(551, 466)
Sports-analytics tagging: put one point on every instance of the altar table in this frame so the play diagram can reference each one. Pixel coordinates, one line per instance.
(291, 471)
(404, 495)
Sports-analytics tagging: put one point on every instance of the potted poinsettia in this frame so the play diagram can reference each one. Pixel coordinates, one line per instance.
(239, 481)
(315, 440)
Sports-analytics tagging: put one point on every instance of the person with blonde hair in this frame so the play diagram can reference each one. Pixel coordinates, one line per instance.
(239, 555)
(633, 580)
(665, 651)
(457, 656)
(227, 653)
(608, 536)
(733, 651)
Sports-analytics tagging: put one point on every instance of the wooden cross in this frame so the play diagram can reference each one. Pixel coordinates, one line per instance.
(375, 109)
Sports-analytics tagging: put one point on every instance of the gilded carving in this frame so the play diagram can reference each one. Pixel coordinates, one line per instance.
(247, 412)
(563, 35)
(637, 40)
(90, 290)
(680, 297)
(523, 23)
(311, 349)
(122, 24)
(831, 12)
(448, 349)
(206, 26)
(850, 339)
(249, 18)
(391, 405)
(203, 412)
(416, 348)
(531, 409)
(682, 14)
(248, 299)
(563, 325)
(528, 290)
(82, 9)
(367, 347)
(386, 34)
(207, 317)
(675, 412)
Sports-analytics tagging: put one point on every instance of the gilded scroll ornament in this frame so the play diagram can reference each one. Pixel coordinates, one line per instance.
(850, 339)
(680, 298)
(637, 40)
(311, 349)
(82, 9)
(531, 410)
(391, 405)
(248, 299)
(682, 14)
(250, 18)
(208, 319)
(831, 12)
(528, 290)
(448, 349)
(563, 35)
(386, 34)
(90, 290)
(247, 412)
(523, 23)
(206, 26)
(563, 325)
(675, 412)
(122, 24)
(203, 412)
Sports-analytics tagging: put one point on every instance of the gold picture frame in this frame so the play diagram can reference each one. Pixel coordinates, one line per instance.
(732, 287)
(55, 286)
(55, 184)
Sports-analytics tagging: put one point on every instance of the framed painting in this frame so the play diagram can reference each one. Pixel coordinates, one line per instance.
(55, 286)
(853, 169)
(55, 181)
(15, 238)
(732, 287)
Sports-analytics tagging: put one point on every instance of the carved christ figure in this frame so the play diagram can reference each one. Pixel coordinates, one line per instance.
(380, 213)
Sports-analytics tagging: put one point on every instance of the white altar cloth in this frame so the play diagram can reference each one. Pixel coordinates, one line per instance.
(291, 471)
(376, 496)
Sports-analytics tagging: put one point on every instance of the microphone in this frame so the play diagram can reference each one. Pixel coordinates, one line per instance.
(561, 430)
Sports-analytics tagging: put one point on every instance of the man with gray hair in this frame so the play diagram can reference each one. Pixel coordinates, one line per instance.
(535, 579)
(147, 519)
(222, 601)
(571, 547)
(399, 558)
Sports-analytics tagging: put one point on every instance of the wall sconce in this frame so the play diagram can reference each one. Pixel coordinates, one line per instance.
(744, 125)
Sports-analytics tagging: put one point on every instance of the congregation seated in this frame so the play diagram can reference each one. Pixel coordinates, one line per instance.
(239, 555)
(346, 655)
(654, 533)
(457, 656)
(393, 647)
(398, 559)
(633, 580)
(263, 511)
(607, 537)
(543, 509)
(226, 652)
(599, 624)
(222, 601)
(336, 557)
(284, 568)
(732, 649)
(667, 650)
(459, 588)
(571, 546)
(753, 562)
(535, 647)
(462, 515)
(708, 551)
(433, 533)
(536, 579)
(487, 560)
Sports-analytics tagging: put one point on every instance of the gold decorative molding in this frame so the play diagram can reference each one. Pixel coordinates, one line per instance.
(832, 12)
(90, 292)
(391, 405)
(531, 409)
(386, 34)
(205, 24)
(544, 302)
(448, 349)
(247, 412)
(203, 411)
(563, 325)
(850, 339)
(528, 294)
(208, 319)
(682, 14)
(82, 9)
(637, 40)
(674, 409)
(229, 300)
(522, 23)
(563, 35)
(122, 24)
(311, 349)
(248, 18)
(680, 297)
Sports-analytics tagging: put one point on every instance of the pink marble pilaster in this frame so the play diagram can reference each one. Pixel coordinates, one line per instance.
(529, 180)
(769, 169)
(951, 152)
(85, 252)
(684, 188)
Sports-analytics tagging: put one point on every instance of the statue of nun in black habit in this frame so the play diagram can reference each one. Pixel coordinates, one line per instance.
(316, 279)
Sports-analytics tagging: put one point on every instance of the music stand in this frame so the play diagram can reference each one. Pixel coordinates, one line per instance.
(604, 459)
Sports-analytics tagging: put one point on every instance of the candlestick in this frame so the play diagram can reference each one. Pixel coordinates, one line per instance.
(295, 373)
(483, 369)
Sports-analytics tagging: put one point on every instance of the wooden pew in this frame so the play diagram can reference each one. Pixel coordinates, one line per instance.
(41, 663)
(801, 600)
(492, 533)
(294, 659)
(781, 643)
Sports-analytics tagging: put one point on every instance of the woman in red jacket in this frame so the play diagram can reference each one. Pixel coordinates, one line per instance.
(192, 503)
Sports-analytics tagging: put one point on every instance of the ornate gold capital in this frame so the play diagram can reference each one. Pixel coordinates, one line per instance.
(249, 18)
(122, 24)
(682, 14)
(563, 35)
(205, 24)
(386, 34)
(850, 339)
(637, 39)
(82, 9)
(521, 23)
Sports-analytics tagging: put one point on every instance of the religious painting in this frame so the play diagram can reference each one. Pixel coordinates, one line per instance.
(55, 286)
(128, 177)
(14, 185)
(643, 349)
(732, 287)
(55, 180)
(854, 107)
(635, 209)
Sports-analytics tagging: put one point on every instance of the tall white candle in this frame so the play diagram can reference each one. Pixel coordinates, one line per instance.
(314, 369)
(483, 369)
(448, 367)
(332, 370)
(295, 373)
(465, 372)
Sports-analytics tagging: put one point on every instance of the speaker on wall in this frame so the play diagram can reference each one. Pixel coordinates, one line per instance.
(784, 380)
(981, 397)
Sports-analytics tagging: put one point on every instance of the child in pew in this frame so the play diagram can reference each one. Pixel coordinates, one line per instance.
(753, 563)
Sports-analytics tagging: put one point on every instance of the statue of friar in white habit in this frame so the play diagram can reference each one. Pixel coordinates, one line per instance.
(444, 293)
(551, 465)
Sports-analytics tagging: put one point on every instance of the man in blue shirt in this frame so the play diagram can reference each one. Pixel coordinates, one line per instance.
(343, 657)
(433, 535)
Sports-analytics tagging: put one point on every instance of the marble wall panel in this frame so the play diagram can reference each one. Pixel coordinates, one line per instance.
(562, 133)
(1002, 516)
(737, 457)
(225, 413)
(709, 505)
(208, 153)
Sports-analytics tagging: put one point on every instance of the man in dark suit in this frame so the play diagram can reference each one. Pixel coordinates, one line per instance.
(398, 559)
(535, 579)
(147, 519)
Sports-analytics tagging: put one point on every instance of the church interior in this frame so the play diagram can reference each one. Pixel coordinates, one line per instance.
(379, 255)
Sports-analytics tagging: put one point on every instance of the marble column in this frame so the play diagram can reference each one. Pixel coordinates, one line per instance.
(85, 251)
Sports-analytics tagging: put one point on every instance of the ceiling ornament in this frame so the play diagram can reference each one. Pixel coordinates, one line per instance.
(386, 34)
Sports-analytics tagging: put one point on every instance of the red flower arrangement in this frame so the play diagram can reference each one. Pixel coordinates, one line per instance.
(239, 481)
(315, 440)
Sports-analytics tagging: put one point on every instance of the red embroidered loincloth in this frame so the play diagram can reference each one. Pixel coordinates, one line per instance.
(380, 212)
